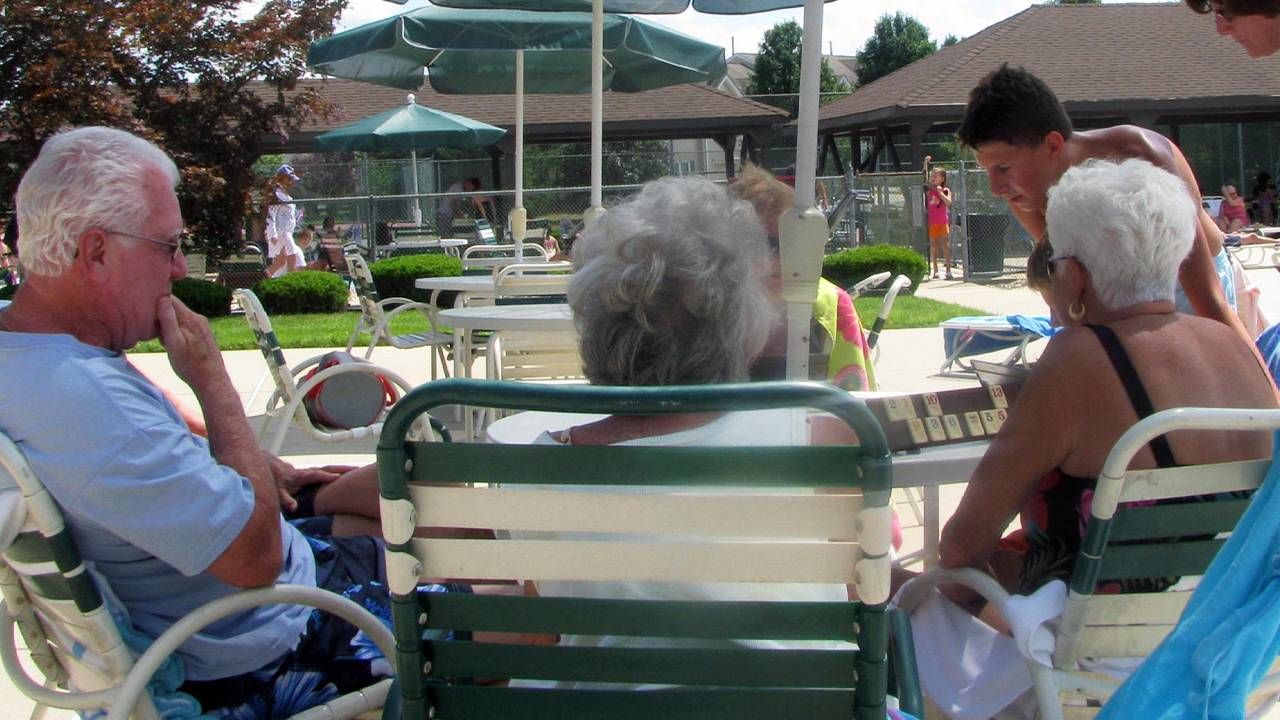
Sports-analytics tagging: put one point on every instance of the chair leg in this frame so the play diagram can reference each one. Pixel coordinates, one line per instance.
(351, 341)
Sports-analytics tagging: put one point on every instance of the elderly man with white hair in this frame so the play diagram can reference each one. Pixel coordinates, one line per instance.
(168, 520)
(1118, 232)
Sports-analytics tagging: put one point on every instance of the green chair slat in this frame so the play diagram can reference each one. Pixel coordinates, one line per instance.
(651, 618)
(499, 703)
(734, 666)
(1177, 520)
(1160, 559)
(50, 586)
(734, 467)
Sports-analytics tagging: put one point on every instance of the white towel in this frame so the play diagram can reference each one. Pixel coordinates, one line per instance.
(971, 671)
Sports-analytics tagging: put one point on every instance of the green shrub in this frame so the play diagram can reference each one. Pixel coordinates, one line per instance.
(306, 291)
(847, 267)
(6, 292)
(394, 276)
(207, 298)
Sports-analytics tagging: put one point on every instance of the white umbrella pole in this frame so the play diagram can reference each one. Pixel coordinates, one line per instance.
(804, 230)
(517, 218)
(597, 102)
(417, 202)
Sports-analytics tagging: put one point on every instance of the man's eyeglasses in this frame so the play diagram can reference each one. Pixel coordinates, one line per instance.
(173, 243)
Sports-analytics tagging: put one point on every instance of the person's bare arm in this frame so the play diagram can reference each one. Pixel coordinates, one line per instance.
(1036, 438)
(255, 557)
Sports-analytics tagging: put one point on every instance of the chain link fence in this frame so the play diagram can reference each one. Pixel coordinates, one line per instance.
(373, 199)
(987, 240)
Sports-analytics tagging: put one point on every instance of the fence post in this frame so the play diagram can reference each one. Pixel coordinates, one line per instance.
(964, 216)
(372, 230)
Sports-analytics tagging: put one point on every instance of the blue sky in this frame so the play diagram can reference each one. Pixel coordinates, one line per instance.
(847, 23)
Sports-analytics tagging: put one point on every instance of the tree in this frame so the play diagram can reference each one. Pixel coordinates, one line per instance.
(950, 40)
(776, 76)
(897, 41)
(204, 84)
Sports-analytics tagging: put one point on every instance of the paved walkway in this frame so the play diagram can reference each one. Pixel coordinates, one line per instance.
(909, 361)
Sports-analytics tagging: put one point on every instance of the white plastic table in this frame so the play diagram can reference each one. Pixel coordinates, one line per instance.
(927, 468)
(551, 317)
(467, 287)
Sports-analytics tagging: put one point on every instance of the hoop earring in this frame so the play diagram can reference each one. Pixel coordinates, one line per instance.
(1075, 314)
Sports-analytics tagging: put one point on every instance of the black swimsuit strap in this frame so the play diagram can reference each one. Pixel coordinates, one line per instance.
(1134, 388)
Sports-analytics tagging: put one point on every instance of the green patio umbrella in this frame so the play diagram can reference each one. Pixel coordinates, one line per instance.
(410, 127)
(802, 236)
(502, 52)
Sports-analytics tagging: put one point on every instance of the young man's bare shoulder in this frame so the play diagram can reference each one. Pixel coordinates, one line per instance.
(1127, 141)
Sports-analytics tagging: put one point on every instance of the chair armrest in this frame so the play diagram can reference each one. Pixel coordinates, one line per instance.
(356, 367)
(136, 681)
(428, 311)
(917, 589)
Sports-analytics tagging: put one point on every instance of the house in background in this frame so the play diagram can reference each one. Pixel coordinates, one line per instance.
(1160, 66)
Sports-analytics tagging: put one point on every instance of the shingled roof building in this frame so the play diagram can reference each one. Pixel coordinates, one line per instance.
(672, 113)
(1159, 66)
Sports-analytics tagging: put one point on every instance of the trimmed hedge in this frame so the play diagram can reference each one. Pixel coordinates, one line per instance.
(305, 291)
(394, 276)
(847, 267)
(207, 298)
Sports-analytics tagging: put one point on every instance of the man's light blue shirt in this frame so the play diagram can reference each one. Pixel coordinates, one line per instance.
(146, 502)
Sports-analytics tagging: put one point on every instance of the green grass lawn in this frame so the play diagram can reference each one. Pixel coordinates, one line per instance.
(331, 330)
(910, 311)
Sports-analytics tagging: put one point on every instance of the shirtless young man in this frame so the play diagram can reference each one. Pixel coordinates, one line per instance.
(1024, 140)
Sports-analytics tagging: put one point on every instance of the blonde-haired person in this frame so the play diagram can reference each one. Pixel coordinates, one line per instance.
(836, 327)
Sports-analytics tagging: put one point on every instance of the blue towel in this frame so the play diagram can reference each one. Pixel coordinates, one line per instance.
(1033, 324)
(1229, 633)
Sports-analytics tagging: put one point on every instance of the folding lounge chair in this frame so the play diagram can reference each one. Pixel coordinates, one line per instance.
(981, 334)
(604, 531)
(1128, 537)
(71, 637)
(377, 313)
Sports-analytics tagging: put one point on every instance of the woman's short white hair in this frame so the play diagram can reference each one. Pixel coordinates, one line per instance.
(668, 288)
(83, 178)
(1129, 223)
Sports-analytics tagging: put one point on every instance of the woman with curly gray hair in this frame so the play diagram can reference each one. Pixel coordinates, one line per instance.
(668, 291)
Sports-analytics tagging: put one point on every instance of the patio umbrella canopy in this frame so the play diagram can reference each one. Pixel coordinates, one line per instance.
(803, 233)
(410, 127)
(502, 52)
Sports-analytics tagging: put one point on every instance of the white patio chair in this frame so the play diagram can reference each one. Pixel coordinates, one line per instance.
(375, 319)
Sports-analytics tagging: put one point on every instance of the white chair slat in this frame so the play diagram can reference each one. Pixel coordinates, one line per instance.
(1122, 641)
(589, 561)
(1157, 484)
(1136, 609)
(704, 515)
